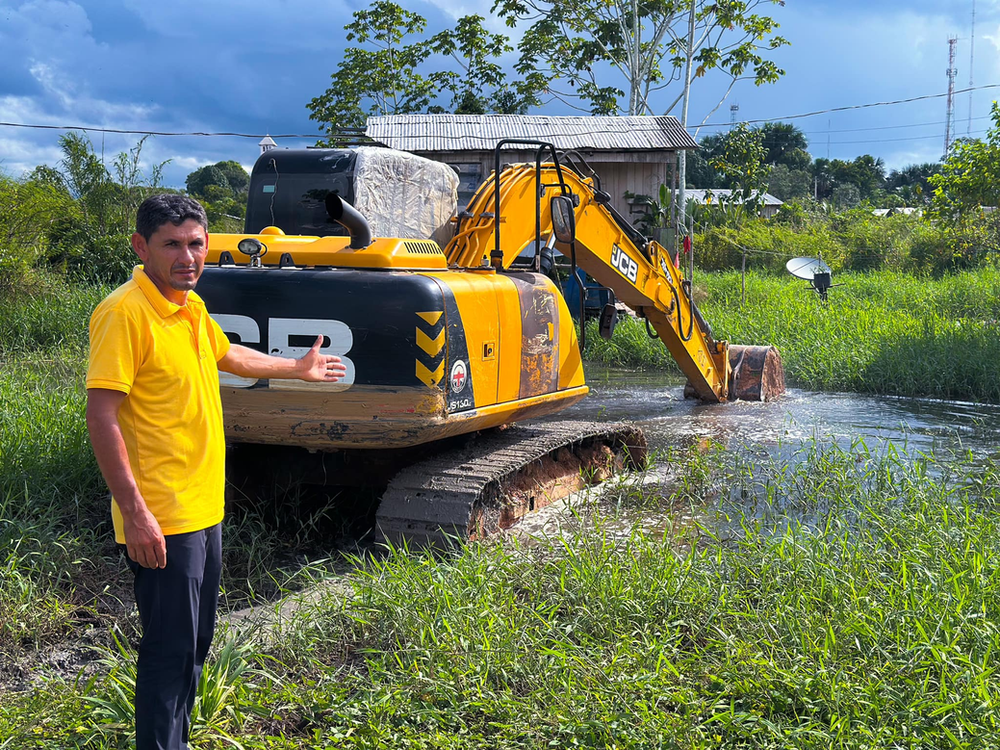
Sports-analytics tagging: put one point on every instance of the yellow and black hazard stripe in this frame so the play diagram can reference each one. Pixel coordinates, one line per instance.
(430, 347)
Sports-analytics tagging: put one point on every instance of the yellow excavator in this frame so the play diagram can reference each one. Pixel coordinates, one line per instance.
(444, 343)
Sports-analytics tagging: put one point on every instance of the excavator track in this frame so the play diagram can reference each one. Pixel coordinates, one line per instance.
(488, 486)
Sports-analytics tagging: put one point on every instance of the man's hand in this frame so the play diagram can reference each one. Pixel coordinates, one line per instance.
(312, 366)
(320, 368)
(143, 536)
(144, 539)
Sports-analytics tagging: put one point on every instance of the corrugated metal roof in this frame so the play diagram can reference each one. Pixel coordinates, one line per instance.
(421, 133)
(724, 194)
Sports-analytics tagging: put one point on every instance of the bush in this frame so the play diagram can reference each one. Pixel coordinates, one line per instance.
(28, 209)
(853, 240)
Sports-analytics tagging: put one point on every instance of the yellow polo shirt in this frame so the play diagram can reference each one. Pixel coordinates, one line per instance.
(164, 358)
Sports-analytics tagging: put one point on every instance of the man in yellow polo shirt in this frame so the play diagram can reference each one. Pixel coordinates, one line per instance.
(155, 420)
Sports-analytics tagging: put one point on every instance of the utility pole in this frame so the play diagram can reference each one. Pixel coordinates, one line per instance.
(972, 60)
(681, 190)
(949, 119)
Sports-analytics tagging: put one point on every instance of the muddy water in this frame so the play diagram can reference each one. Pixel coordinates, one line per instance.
(656, 402)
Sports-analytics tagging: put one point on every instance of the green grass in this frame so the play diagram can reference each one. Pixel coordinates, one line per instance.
(853, 604)
(49, 317)
(883, 333)
(54, 522)
(59, 566)
(837, 599)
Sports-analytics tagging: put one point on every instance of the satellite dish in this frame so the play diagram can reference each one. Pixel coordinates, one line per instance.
(813, 270)
(806, 268)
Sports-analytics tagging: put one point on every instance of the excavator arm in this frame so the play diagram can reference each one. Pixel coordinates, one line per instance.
(497, 229)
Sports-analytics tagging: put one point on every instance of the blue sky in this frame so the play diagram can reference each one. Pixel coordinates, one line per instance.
(252, 65)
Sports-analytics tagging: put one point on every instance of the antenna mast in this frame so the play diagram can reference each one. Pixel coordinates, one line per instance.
(972, 59)
(949, 119)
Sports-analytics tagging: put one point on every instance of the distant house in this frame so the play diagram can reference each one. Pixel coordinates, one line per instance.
(905, 210)
(629, 154)
(715, 196)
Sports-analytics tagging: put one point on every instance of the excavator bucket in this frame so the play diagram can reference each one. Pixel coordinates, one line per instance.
(757, 373)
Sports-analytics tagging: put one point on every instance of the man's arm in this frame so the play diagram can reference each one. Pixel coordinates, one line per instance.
(143, 537)
(312, 366)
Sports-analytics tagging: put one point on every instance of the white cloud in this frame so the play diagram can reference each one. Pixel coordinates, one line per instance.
(18, 156)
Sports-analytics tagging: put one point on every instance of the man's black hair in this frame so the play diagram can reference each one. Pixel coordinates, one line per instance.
(157, 210)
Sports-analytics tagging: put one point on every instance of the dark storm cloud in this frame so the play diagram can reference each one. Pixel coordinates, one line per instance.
(252, 65)
(249, 66)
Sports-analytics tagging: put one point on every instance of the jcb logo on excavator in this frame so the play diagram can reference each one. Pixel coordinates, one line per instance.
(291, 337)
(624, 264)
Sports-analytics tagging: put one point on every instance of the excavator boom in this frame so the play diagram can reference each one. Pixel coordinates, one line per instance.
(440, 346)
(495, 231)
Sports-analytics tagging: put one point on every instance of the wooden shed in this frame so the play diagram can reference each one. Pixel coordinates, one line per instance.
(629, 154)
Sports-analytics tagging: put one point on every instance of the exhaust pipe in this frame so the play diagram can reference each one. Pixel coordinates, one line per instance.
(348, 217)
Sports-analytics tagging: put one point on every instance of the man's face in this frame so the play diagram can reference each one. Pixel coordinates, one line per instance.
(173, 257)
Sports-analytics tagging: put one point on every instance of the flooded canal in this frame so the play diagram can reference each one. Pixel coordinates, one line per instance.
(764, 434)
(655, 401)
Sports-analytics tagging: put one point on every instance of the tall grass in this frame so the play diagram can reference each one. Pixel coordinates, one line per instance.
(878, 333)
(59, 566)
(842, 598)
(53, 514)
(47, 316)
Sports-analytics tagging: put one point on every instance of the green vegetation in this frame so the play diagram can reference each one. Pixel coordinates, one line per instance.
(59, 564)
(854, 240)
(885, 332)
(869, 622)
(829, 598)
(222, 189)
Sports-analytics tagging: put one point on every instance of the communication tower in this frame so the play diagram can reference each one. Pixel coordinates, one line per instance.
(949, 119)
(733, 109)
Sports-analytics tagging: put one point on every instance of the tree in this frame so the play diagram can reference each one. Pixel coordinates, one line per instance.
(229, 176)
(969, 178)
(236, 176)
(382, 77)
(29, 208)
(587, 43)
(786, 184)
(379, 81)
(743, 168)
(912, 184)
(846, 195)
(866, 173)
(786, 145)
(208, 176)
(222, 190)
(823, 179)
(92, 240)
(482, 85)
(701, 174)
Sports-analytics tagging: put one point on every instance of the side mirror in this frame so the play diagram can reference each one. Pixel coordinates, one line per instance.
(609, 319)
(563, 218)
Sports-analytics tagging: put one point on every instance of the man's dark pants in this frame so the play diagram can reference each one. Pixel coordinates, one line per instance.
(177, 609)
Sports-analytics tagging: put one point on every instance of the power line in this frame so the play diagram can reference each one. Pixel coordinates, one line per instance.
(850, 107)
(359, 133)
(896, 140)
(887, 127)
(88, 129)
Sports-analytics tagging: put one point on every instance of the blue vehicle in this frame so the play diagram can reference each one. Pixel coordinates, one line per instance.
(596, 298)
